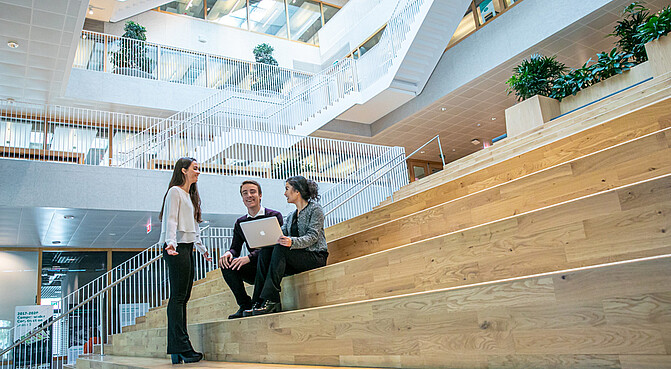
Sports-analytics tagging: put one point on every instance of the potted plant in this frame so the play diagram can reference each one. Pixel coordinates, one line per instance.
(532, 83)
(131, 58)
(657, 47)
(265, 78)
(626, 29)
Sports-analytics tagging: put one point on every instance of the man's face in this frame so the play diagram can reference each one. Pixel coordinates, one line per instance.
(250, 195)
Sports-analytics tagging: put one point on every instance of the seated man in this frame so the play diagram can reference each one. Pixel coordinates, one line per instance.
(234, 268)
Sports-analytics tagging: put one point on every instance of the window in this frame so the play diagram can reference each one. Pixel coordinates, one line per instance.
(228, 12)
(192, 8)
(268, 16)
(371, 42)
(305, 19)
(466, 26)
(329, 12)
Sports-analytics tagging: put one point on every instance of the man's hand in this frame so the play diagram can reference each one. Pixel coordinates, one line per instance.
(225, 260)
(239, 262)
(284, 241)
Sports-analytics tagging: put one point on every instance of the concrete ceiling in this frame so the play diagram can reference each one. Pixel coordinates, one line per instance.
(46, 33)
(476, 110)
(49, 227)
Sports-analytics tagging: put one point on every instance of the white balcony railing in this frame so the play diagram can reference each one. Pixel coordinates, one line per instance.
(113, 54)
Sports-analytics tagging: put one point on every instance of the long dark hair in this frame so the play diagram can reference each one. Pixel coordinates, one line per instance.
(307, 187)
(178, 180)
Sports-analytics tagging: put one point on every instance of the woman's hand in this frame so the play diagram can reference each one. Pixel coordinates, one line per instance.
(170, 249)
(207, 256)
(284, 241)
(225, 260)
(237, 263)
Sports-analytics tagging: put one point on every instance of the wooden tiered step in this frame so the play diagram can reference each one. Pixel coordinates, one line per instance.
(618, 225)
(642, 158)
(614, 107)
(451, 183)
(607, 316)
(128, 362)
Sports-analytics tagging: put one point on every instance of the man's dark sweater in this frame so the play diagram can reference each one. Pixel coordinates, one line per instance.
(239, 236)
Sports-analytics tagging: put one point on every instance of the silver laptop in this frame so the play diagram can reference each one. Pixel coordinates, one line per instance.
(262, 232)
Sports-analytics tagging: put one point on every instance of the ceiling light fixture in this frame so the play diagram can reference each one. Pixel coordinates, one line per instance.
(422, 152)
(56, 242)
(69, 216)
(476, 141)
(13, 44)
(443, 109)
(478, 124)
(493, 118)
(90, 10)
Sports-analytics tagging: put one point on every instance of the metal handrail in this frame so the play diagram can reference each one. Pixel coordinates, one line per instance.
(63, 315)
(440, 147)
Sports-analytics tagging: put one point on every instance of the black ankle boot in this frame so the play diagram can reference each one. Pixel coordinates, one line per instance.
(267, 307)
(187, 357)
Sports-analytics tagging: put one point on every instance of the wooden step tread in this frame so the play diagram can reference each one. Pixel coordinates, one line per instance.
(128, 362)
(604, 316)
(459, 183)
(617, 225)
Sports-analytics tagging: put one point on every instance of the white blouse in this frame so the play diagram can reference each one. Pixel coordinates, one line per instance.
(179, 223)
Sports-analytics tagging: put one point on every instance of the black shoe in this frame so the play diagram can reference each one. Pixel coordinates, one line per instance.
(187, 357)
(239, 313)
(250, 311)
(267, 307)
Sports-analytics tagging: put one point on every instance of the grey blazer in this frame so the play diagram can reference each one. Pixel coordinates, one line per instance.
(310, 229)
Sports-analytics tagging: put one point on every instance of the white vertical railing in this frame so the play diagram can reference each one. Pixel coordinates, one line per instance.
(86, 318)
(113, 54)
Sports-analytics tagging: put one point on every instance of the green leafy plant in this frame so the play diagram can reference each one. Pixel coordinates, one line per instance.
(132, 51)
(611, 63)
(656, 26)
(263, 53)
(534, 76)
(265, 77)
(572, 82)
(626, 30)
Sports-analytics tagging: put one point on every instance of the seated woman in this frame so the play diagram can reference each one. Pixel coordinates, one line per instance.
(303, 246)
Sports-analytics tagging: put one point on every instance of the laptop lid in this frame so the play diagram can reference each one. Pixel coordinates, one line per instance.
(261, 232)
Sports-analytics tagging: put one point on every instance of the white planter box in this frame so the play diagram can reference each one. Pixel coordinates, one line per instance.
(659, 55)
(604, 88)
(529, 114)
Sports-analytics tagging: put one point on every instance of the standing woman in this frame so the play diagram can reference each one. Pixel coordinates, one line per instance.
(179, 218)
(303, 246)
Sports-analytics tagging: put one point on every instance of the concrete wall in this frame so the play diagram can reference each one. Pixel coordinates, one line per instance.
(64, 185)
(18, 281)
(185, 32)
(515, 31)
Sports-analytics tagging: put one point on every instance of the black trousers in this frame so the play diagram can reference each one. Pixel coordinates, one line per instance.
(277, 261)
(180, 273)
(235, 280)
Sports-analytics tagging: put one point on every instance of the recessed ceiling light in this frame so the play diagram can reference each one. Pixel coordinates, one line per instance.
(112, 234)
(90, 10)
(56, 242)
(454, 149)
(443, 109)
(422, 152)
(475, 141)
(478, 124)
(493, 118)
(13, 44)
(69, 216)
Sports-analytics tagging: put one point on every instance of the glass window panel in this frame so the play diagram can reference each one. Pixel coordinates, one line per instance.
(329, 12)
(305, 19)
(510, 2)
(192, 8)
(485, 9)
(371, 42)
(420, 171)
(228, 12)
(466, 26)
(268, 16)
